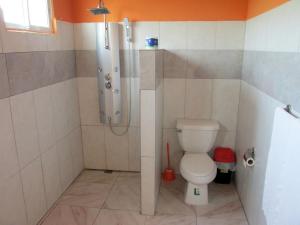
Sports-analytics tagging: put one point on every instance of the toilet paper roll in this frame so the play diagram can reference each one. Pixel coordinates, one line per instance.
(249, 158)
(249, 162)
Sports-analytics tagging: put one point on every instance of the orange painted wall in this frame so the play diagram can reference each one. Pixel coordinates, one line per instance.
(63, 10)
(164, 10)
(257, 7)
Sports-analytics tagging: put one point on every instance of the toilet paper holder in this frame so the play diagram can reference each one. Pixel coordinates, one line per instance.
(249, 157)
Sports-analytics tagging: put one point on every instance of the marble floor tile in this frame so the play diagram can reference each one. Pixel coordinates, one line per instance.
(118, 217)
(171, 220)
(223, 200)
(221, 221)
(94, 176)
(97, 198)
(86, 194)
(171, 199)
(70, 215)
(125, 194)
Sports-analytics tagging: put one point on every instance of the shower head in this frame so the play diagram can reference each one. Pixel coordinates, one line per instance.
(100, 9)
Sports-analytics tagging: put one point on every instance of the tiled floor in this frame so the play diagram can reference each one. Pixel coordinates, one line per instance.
(98, 198)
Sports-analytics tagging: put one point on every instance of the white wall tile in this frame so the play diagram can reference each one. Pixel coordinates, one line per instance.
(85, 36)
(25, 127)
(256, 33)
(201, 35)
(50, 164)
(174, 96)
(148, 185)
(1, 28)
(198, 98)
(283, 29)
(75, 141)
(135, 102)
(36, 42)
(94, 147)
(45, 117)
(176, 152)
(225, 102)
(65, 162)
(142, 30)
(88, 101)
(54, 40)
(147, 123)
(256, 113)
(226, 139)
(230, 35)
(67, 35)
(34, 192)
(72, 105)
(134, 149)
(60, 109)
(173, 35)
(8, 159)
(117, 149)
(12, 202)
(14, 41)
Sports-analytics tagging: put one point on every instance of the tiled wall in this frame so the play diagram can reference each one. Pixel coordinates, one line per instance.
(151, 72)
(270, 79)
(40, 133)
(202, 65)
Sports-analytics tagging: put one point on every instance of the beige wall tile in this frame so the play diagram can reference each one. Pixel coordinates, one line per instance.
(25, 127)
(94, 147)
(9, 159)
(34, 192)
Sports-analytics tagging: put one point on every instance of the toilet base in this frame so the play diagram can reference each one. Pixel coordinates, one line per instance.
(196, 194)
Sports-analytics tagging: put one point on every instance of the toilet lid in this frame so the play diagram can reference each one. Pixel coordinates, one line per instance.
(198, 165)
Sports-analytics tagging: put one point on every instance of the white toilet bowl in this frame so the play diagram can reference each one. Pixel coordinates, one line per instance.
(197, 137)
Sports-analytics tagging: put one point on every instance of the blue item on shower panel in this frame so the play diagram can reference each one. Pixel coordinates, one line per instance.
(152, 42)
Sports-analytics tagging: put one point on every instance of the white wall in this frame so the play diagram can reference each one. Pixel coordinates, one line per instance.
(40, 135)
(272, 32)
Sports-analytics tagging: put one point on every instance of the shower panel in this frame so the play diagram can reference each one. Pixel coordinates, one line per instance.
(108, 73)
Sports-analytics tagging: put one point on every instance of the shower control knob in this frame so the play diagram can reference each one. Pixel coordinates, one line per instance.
(108, 85)
(107, 77)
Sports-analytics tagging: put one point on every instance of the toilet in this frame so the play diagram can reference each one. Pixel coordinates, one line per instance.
(197, 137)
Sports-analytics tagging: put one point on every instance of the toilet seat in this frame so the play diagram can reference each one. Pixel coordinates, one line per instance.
(198, 168)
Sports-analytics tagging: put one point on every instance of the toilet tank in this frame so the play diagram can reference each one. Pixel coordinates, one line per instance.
(197, 135)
